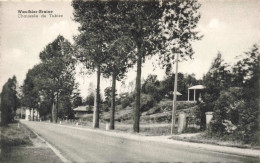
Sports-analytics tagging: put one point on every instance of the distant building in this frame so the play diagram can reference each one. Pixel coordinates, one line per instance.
(20, 112)
(195, 92)
(30, 113)
(82, 111)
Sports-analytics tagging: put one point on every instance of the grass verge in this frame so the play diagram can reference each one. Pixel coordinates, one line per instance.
(16, 134)
(202, 138)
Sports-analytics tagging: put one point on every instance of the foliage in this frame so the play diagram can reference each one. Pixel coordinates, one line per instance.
(127, 100)
(184, 82)
(217, 79)
(246, 70)
(108, 95)
(9, 101)
(141, 19)
(30, 88)
(77, 101)
(90, 100)
(91, 43)
(51, 81)
(151, 86)
(236, 107)
(59, 70)
(178, 29)
(147, 102)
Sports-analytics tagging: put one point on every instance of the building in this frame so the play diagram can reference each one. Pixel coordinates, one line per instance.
(30, 113)
(82, 111)
(195, 92)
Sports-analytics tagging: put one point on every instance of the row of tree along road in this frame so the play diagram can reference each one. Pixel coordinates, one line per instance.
(113, 37)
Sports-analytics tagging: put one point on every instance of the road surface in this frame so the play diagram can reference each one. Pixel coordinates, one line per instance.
(88, 146)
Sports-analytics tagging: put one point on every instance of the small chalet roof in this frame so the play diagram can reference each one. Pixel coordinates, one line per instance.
(197, 87)
(81, 108)
(178, 93)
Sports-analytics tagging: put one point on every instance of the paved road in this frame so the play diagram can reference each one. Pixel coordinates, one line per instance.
(88, 146)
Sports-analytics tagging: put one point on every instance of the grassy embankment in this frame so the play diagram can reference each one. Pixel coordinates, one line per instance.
(155, 121)
(20, 144)
(16, 134)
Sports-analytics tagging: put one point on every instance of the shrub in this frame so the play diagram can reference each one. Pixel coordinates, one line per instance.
(126, 101)
(147, 102)
(236, 115)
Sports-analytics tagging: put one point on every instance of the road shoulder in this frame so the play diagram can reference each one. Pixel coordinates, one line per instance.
(168, 140)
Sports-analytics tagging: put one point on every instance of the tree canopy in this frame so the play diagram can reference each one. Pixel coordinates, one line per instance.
(9, 101)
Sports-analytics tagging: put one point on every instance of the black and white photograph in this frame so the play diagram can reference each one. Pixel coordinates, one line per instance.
(129, 81)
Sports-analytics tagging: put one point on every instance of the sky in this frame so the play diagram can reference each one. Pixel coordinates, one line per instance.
(228, 26)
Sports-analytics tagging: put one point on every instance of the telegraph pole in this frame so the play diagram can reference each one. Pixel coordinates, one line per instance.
(175, 94)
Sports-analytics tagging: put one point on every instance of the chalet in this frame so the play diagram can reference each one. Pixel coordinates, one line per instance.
(82, 111)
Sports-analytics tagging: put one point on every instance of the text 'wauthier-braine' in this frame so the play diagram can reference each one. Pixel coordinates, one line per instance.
(34, 11)
(37, 14)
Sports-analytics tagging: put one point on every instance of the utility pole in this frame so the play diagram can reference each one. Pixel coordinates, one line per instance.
(175, 94)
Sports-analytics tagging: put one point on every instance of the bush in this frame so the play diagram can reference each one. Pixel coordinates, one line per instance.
(126, 101)
(236, 116)
(147, 102)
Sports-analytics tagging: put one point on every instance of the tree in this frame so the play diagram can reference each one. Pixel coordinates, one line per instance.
(178, 29)
(122, 58)
(91, 43)
(216, 79)
(30, 89)
(77, 101)
(90, 100)
(141, 20)
(59, 70)
(9, 101)
(152, 86)
(246, 70)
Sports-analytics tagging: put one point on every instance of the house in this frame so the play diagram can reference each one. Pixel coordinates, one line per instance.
(32, 114)
(82, 111)
(20, 112)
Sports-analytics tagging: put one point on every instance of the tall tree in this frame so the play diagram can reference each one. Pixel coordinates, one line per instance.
(30, 89)
(246, 70)
(9, 101)
(122, 58)
(217, 78)
(178, 29)
(141, 21)
(91, 44)
(59, 70)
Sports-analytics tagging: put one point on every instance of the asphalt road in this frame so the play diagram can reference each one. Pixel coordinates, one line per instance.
(87, 146)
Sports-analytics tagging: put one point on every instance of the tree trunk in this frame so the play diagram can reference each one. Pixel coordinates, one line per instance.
(113, 103)
(57, 109)
(33, 114)
(138, 91)
(30, 114)
(96, 108)
(53, 112)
